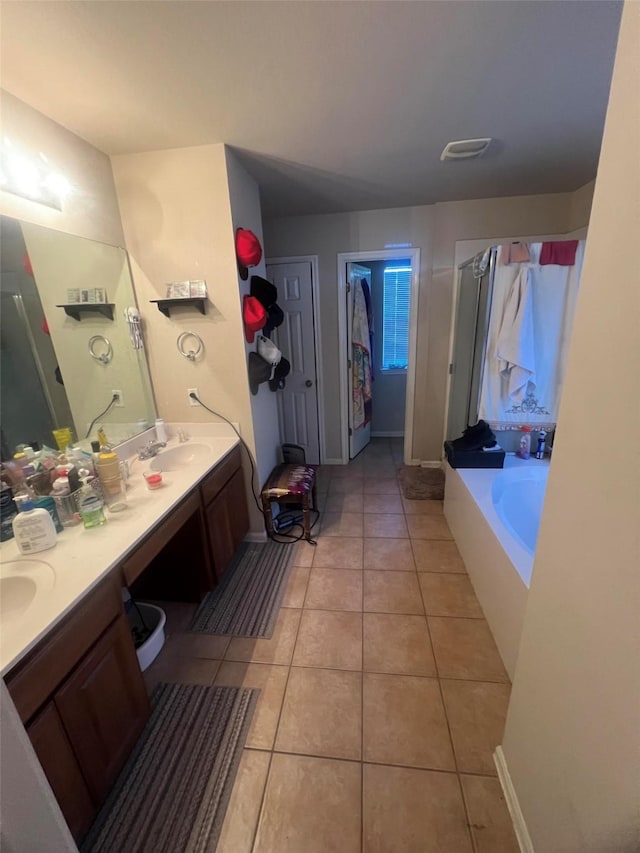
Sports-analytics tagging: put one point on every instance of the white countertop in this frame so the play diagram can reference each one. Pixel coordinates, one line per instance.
(81, 558)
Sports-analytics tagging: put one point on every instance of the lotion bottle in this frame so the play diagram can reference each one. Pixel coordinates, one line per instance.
(33, 529)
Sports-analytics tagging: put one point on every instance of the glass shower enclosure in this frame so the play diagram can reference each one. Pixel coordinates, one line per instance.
(471, 327)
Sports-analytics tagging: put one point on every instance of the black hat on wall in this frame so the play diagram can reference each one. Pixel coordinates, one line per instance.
(282, 369)
(259, 372)
(265, 292)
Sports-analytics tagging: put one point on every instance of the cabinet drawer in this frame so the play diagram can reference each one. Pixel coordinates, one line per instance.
(137, 562)
(35, 679)
(222, 473)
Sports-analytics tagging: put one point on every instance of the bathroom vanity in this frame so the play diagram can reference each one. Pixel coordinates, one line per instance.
(69, 661)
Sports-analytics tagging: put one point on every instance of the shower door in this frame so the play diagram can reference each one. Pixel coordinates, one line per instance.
(470, 336)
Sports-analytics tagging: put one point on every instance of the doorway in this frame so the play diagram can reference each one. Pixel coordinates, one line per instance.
(378, 403)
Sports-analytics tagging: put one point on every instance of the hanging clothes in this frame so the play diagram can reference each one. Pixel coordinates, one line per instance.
(360, 359)
(530, 323)
(515, 344)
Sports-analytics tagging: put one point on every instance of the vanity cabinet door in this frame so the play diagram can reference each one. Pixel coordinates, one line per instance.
(104, 706)
(58, 761)
(220, 530)
(237, 504)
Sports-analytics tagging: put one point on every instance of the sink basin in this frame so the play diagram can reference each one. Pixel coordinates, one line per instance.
(180, 457)
(21, 581)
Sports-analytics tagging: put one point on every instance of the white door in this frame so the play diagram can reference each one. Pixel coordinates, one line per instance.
(359, 427)
(298, 401)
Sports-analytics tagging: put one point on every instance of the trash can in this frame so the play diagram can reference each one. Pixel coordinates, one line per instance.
(147, 623)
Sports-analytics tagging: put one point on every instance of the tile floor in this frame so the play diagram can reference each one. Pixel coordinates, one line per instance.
(382, 693)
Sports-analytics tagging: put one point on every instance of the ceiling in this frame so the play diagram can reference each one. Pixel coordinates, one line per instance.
(332, 106)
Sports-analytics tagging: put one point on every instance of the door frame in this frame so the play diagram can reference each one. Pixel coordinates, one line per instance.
(362, 257)
(317, 338)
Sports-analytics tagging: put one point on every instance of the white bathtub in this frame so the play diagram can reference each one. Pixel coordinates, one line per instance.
(494, 516)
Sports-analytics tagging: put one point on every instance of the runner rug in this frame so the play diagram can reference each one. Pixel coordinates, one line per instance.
(173, 792)
(247, 600)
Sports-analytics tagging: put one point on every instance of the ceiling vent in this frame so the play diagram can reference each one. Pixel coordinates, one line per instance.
(465, 149)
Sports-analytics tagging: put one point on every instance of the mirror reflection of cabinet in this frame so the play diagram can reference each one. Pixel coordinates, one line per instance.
(49, 379)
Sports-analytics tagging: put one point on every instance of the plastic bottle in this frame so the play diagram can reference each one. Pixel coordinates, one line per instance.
(33, 529)
(90, 506)
(8, 511)
(161, 430)
(524, 450)
(113, 486)
(542, 443)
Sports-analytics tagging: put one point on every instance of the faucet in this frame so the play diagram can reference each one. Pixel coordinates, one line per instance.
(151, 449)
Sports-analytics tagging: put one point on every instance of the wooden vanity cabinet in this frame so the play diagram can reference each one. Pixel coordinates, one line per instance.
(225, 508)
(55, 753)
(83, 701)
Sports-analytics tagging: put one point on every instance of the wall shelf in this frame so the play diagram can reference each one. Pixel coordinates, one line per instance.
(165, 305)
(77, 309)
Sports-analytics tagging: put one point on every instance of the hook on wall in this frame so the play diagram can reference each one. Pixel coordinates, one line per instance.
(191, 354)
(107, 350)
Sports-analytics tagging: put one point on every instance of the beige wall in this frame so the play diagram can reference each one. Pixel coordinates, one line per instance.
(91, 208)
(435, 230)
(573, 727)
(244, 199)
(178, 223)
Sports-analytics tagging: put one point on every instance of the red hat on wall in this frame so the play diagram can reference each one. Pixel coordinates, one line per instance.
(254, 315)
(248, 251)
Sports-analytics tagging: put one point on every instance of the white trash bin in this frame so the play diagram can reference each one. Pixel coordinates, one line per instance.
(155, 619)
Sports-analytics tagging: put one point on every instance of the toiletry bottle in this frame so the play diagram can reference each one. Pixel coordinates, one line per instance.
(8, 511)
(542, 443)
(524, 450)
(161, 430)
(33, 529)
(47, 503)
(110, 474)
(90, 506)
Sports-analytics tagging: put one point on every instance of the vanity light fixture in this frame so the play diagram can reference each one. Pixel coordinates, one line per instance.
(30, 178)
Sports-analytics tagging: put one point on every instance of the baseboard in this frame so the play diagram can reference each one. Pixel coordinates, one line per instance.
(517, 818)
(330, 461)
(388, 434)
(260, 536)
(433, 463)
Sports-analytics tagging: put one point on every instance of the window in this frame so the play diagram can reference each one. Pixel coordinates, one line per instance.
(395, 316)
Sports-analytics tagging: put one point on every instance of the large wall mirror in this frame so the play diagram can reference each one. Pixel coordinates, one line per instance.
(49, 378)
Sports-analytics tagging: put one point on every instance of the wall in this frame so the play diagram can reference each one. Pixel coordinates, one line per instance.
(179, 224)
(572, 732)
(434, 229)
(244, 199)
(389, 389)
(91, 208)
(31, 819)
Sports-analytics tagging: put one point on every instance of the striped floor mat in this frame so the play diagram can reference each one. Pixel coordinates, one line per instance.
(173, 792)
(246, 602)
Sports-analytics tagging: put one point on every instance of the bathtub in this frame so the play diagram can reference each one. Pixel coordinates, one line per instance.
(494, 516)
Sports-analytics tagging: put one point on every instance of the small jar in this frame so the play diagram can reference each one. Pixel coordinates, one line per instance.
(153, 479)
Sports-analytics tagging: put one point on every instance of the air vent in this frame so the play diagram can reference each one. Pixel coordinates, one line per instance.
(465, 149)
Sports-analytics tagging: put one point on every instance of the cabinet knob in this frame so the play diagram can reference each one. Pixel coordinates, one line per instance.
(308, 383)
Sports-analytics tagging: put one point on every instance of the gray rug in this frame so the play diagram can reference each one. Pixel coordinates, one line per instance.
(173, 792)
(246, 602)
(421, 484)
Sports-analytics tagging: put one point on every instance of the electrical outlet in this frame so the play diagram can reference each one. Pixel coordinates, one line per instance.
(192, 402)
(119, 404)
